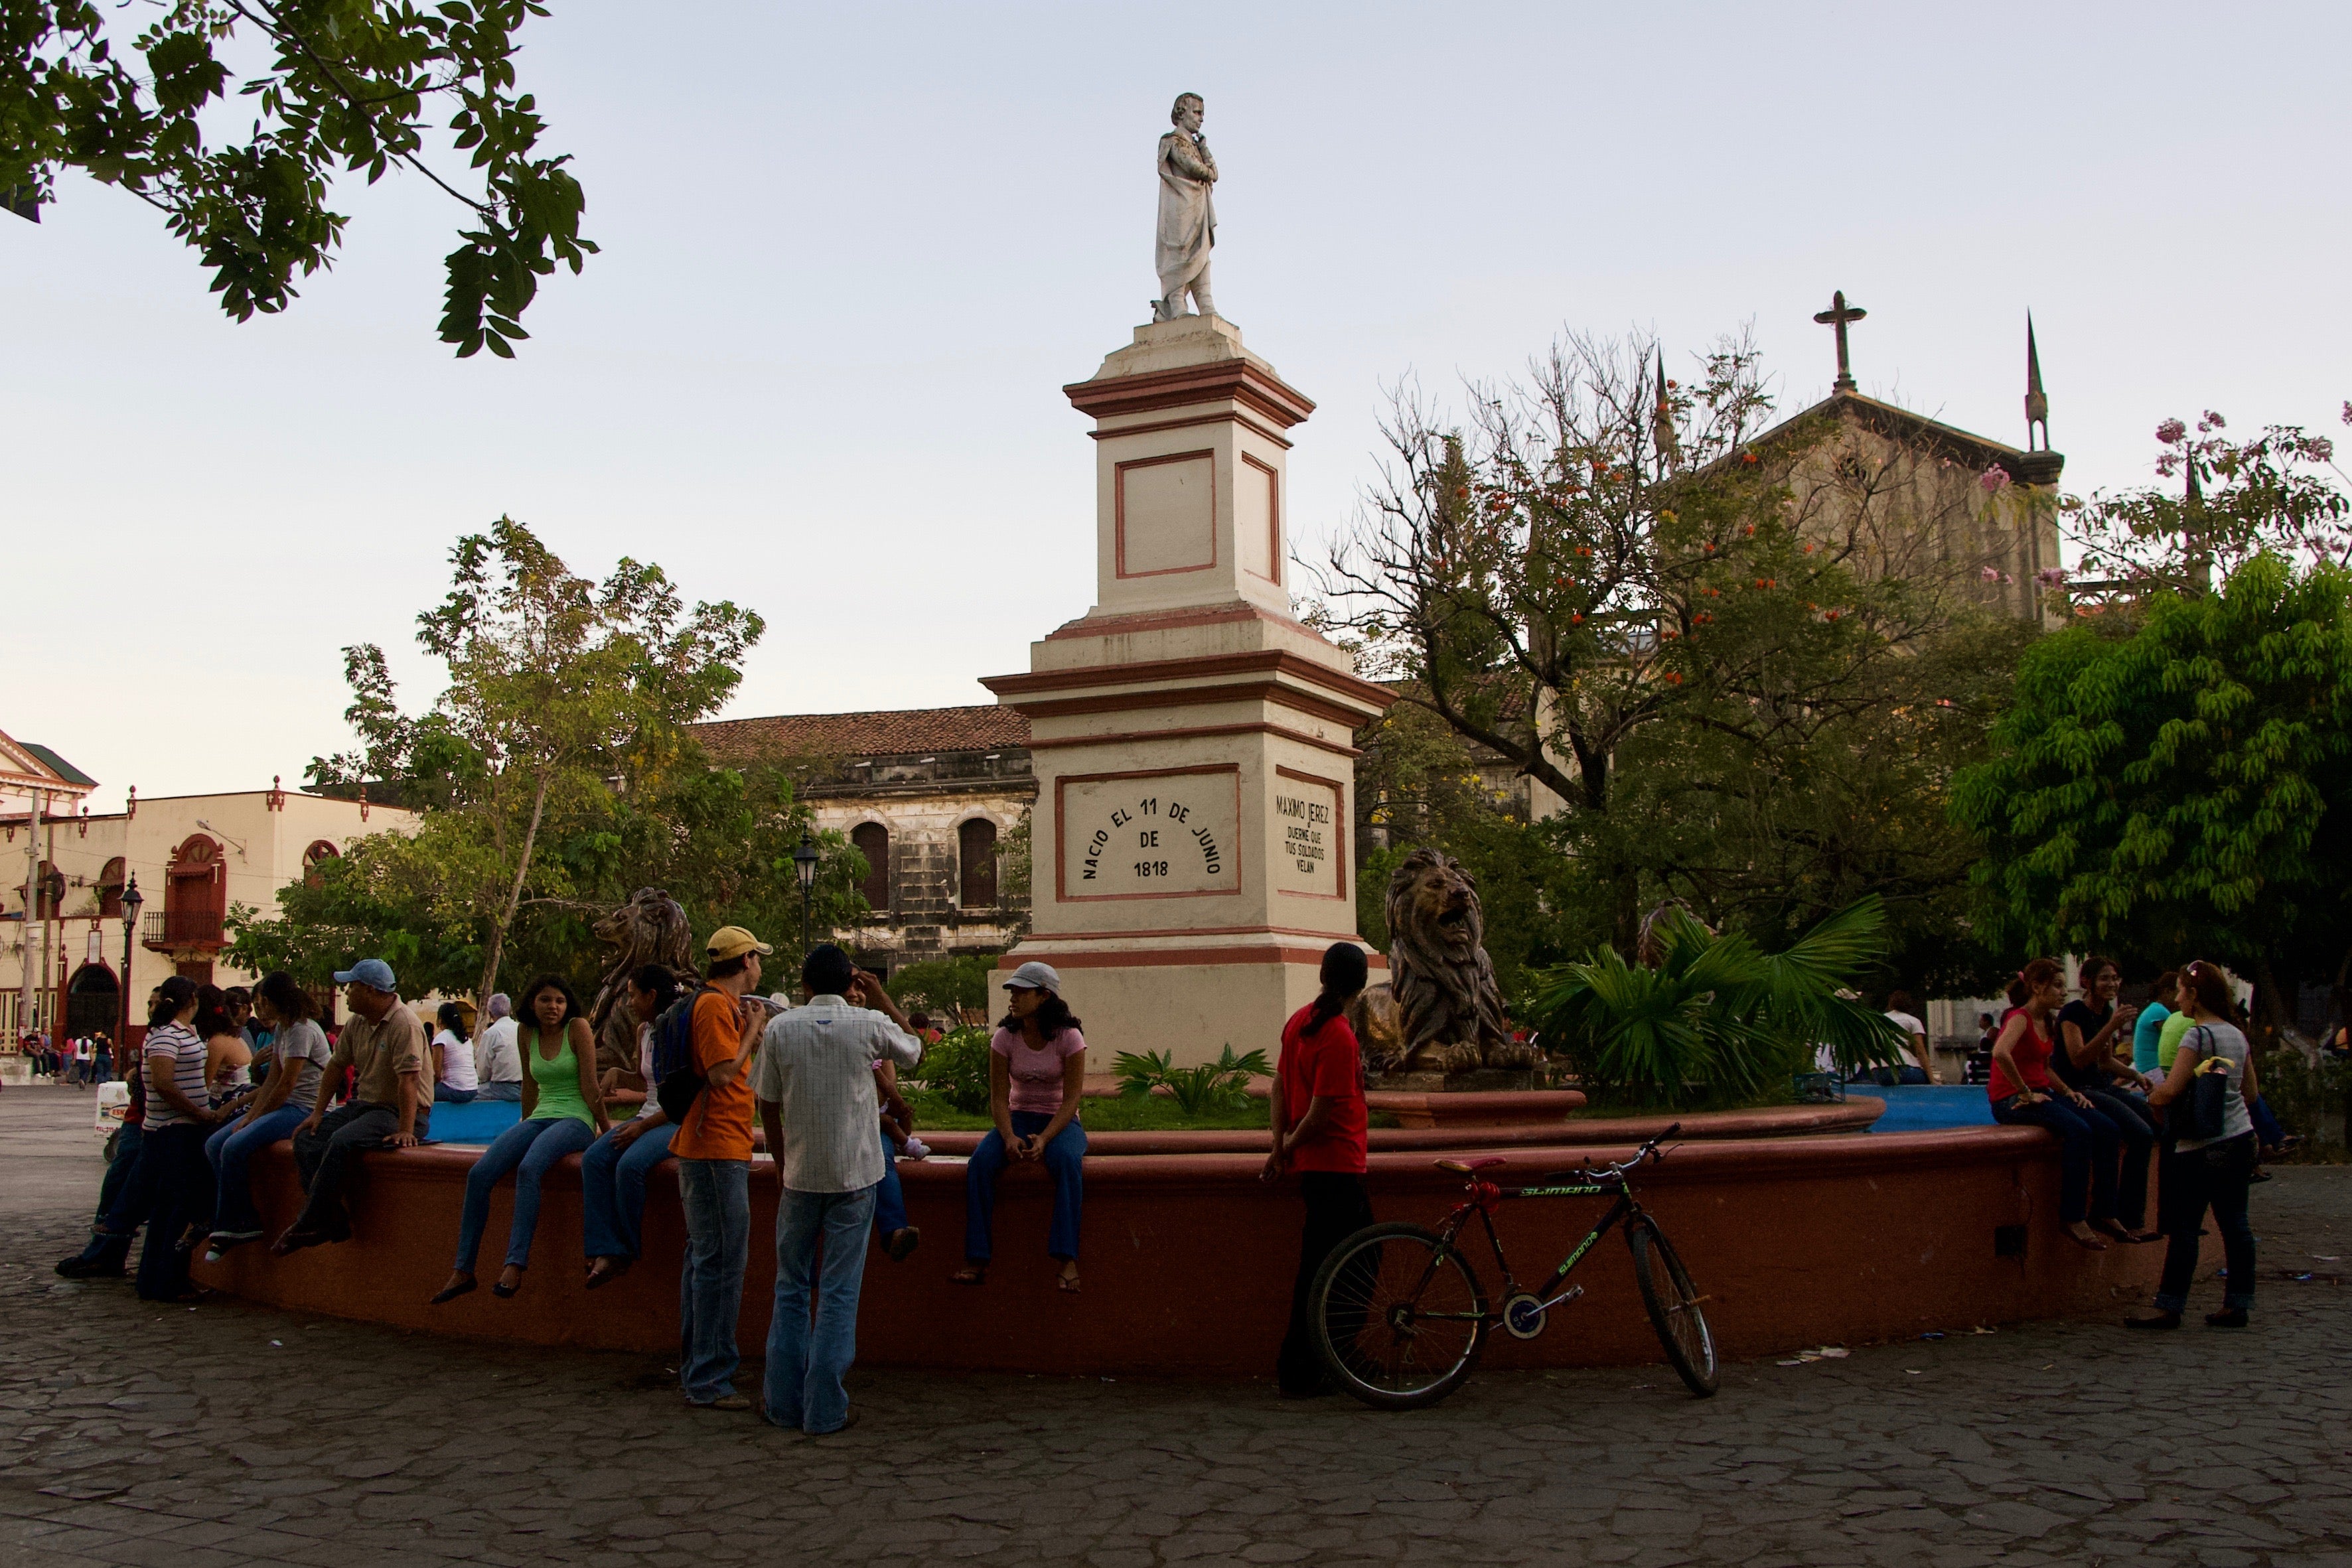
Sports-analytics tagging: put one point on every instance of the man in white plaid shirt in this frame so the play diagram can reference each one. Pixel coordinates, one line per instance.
(814, 1084)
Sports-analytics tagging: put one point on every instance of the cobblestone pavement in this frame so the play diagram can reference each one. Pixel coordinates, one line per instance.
(225, 1435)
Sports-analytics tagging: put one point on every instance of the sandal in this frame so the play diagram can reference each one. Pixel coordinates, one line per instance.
(970, 1274)
(602, 1273)
(1068, 1282)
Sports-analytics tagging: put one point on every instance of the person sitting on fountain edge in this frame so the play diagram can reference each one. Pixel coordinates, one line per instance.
(390, 1105)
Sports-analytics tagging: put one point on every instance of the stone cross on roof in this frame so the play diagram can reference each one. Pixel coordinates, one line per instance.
(1837, 316)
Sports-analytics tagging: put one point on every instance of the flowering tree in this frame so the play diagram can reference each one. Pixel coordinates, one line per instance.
(354, 85)
(2282, 493)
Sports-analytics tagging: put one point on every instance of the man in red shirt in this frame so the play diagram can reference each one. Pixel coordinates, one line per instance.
(1319, 1120)
(713, 1145)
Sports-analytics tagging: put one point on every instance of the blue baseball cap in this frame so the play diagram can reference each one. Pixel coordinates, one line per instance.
(373, 972)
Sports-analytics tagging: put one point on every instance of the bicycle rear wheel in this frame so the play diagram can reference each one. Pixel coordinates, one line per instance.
(1399, 1316)
(1673, 1305)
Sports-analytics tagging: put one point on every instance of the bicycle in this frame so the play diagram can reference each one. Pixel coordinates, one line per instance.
(1401, 1316)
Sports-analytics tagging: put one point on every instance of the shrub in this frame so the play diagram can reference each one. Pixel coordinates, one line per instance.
(2300, 1094)
(956, 1069)
(1219, 1085)
(1715, 1017)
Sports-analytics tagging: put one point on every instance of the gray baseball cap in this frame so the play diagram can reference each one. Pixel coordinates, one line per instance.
(369, 972)
(1034, 976)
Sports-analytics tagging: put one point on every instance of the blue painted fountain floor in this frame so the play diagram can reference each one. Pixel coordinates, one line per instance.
(476, 1121)
(1915, 1107)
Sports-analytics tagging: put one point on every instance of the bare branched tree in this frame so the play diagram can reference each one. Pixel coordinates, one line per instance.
(1599, 551)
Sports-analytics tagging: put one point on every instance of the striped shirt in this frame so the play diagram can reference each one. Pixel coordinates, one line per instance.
(179, 1042)
(816, 1063)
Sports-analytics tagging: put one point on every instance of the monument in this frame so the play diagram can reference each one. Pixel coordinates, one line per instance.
(1191, 738)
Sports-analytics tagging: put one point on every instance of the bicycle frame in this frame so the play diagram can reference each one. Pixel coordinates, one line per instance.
(1486, 1195)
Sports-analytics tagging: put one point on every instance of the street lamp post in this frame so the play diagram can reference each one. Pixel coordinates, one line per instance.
(804, 860)
(130, 903)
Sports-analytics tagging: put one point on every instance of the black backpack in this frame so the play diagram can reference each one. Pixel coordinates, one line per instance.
(677, 1080)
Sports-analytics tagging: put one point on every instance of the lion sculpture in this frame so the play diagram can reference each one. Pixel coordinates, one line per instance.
(649, 929)
(1441, 1010)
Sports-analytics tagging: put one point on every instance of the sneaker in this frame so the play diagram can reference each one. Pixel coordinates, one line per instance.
(916, 1150)
(233, 1238)
(902, 1242)
(80, 1269)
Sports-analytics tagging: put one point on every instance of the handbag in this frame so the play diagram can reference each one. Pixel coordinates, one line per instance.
(2201, 1114)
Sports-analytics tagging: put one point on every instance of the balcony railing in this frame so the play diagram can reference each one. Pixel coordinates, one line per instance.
(173, 930)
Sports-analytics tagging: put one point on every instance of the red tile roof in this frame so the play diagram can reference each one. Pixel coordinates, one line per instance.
(891, 732)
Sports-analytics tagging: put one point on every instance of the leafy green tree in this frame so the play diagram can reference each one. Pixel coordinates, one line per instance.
(348, 85)
(555, 772)
(955, 986)
(2178, 783)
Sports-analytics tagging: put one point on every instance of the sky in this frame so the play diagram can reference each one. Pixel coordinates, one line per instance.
(852, 254)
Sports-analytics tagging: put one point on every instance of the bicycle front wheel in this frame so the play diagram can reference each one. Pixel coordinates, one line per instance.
(1399, 1316)
(1673, 1305)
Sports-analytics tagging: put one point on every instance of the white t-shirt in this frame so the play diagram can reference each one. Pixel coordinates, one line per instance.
(1907, 1023)
(496, 1059)
(457, 1060)
(652, 1107)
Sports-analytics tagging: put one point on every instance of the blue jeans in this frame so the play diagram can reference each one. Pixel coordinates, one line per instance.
(807, 1361)
(228, 1150)
(612, 1191)
(173, 1169)
(445, 1095)
(717, 1197)
(122, 1205)
(2213, 1178)
(889, 1196)
(498, 1091)
(1065, 1160)
(2266, 1125)
(2086, 1156)
(534, 1146)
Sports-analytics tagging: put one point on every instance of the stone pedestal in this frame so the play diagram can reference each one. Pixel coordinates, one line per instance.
(1192, 740)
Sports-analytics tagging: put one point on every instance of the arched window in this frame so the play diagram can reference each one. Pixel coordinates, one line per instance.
(195, 893)
(320, 853)
(110, 890)
(976, 860)
(873, 841)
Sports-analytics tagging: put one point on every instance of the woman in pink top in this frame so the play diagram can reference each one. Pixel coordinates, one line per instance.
(1036, 1074)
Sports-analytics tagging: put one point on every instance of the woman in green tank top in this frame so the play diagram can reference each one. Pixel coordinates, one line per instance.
(563, 1113)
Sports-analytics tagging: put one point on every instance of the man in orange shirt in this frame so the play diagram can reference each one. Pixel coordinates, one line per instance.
(713, 1146)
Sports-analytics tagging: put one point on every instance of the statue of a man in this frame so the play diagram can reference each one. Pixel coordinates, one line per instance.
(1188, 218)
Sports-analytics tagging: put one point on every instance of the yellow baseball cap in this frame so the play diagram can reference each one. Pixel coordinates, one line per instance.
(733, 942)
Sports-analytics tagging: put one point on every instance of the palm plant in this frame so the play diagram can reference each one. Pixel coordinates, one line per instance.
(1715, 1015)
(1219, 1085)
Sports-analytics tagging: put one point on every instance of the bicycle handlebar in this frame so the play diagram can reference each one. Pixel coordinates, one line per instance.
(1648, 1151)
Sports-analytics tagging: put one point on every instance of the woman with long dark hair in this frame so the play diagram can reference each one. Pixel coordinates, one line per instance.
(1316, 1115)
(172, 1168)
(1036, 1077)
(2212, 1172)
(613, 1172)
(297, 1051)
(2024, 1093)
(563, 1113)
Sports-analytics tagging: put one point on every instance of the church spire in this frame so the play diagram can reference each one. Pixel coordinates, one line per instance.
(2037, 402)
(1662, 426)
(2039, 465)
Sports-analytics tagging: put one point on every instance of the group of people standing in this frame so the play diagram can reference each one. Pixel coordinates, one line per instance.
(81, 1061)
(2118, 1087)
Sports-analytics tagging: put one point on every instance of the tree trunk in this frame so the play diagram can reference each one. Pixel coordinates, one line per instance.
(505, 915)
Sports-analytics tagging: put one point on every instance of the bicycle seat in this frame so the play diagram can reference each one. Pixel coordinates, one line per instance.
(1470, 1168)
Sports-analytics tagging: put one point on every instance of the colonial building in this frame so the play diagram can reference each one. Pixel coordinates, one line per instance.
(932, 796)
(192, 858)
